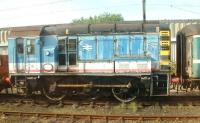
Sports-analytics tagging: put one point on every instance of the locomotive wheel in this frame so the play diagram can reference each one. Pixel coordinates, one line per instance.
(51, 92)
(126, 95)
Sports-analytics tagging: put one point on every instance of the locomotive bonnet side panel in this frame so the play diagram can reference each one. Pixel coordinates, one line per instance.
(96, 54)
(153, 50)
(130, 54)
(11, 56)
(49, 54)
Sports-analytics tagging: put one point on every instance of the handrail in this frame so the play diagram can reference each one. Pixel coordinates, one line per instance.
(14, 58)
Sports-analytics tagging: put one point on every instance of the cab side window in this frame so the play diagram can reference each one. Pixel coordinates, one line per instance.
(30, 46)
(20, 45)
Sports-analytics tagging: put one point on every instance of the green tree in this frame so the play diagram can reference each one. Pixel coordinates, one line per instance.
(102, 18)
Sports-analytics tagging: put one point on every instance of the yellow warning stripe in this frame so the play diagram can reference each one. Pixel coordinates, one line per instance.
(164, 62)
(164, 33)
(164, 52)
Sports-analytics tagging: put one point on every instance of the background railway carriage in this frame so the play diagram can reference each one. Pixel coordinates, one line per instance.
(3, 67)
(64, 59)
(4, 79)
(188, 56)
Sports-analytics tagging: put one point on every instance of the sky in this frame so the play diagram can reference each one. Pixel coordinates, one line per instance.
(37, 12)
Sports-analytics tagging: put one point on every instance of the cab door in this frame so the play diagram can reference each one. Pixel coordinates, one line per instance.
(32, 55)
(71, 45)
(67, 54)
(62, 54)
(26, 55)
(20, 55)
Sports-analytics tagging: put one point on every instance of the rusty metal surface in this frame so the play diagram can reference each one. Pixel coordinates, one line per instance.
(102, 27)
(191, 30)
(175, 26)
(4, 65)
(71, 29)
(65, 29)
(129, 27)
(25, 31)
(91, 85)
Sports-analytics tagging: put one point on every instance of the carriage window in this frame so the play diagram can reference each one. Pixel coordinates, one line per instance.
(61, 46)
(30, 46)
(72, 59)
(72, 44)
(62, 59)
(20, 45)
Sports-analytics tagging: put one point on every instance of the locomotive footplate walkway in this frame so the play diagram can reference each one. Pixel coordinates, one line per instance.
(91, 118)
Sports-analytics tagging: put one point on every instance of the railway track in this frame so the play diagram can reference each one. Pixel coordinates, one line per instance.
(106, 118)
(74, 116)
(38, 100)
(162, 101)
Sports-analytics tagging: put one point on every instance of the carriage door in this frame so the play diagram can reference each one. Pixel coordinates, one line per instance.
(62, 54)
(71, 45)
(20, 58)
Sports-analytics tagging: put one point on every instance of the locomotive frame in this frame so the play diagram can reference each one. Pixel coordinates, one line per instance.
(55, 81)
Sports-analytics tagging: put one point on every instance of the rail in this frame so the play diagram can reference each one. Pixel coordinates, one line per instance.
(97, 117)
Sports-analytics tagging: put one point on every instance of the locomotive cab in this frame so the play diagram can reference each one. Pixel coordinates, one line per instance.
(67, 54)
(26, 50)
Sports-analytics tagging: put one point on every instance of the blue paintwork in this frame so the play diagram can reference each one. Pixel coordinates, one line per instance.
(49, 45)
(105, 47)
(33, 58)
(92, 49)
(123, 44)
(11, 51)
(87, 48)
(137, 45)
(153, 46)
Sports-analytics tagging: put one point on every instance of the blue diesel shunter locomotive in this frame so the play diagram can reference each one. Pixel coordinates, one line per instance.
(127, 60)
